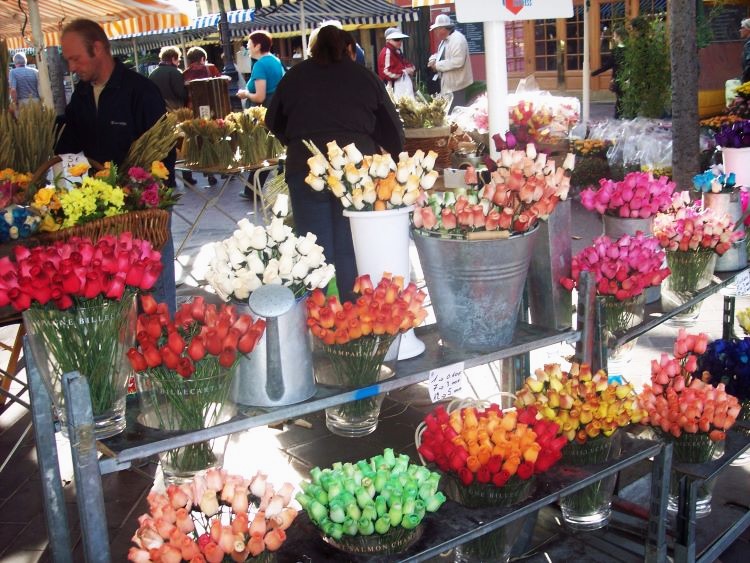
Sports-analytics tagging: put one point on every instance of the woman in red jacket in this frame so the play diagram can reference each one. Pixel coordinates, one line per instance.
(392, 65)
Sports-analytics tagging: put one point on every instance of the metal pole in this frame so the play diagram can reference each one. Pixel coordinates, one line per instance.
(49, 468)
(656, 540)
(89, 493)
(183, 48)
(135, 54)
(45, 88)
(496, 67)
(586, 101)
(229, 69)
(303, 28)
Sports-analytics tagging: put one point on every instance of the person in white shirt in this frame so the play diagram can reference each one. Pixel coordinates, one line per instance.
(451, 60)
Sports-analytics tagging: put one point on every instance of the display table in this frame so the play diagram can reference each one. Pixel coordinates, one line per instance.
(248, 176)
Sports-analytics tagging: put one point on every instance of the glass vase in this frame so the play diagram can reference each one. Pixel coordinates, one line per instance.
(619, 316)
(590, 508)
(692, 448)
(354, 365)
(93, 338)
(172, 403)
(393, 542)
(497, 544)
(691, 271)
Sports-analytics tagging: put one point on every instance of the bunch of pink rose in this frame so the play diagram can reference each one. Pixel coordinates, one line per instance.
(677, 402)
(66, 273)
(524, 188)
(623, 268)
(692, 227)
(638, 195)
(214, 518)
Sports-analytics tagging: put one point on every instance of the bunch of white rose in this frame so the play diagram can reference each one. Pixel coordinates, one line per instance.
(371, 182)
(254, 256)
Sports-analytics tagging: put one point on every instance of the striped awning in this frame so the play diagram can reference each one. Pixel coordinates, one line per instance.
(285, 19)
(422, 3)
(206, 7)
(54, 14)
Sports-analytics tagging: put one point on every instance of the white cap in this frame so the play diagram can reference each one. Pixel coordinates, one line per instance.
(443, 20)
(394, 33)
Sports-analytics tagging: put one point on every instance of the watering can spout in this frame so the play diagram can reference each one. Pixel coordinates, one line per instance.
(271, 302)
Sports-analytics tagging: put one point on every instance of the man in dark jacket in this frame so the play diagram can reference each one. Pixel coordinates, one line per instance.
(110, 108)
(168, 78)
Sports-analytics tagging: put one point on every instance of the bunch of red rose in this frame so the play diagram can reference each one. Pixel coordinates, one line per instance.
(386, 309)
(65, 273)
(198, 330)
(489, 446)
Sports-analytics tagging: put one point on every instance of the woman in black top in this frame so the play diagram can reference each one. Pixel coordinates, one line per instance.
(330, 98)
(613, 63)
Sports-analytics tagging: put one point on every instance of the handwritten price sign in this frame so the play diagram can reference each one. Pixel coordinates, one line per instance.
(445, 382)
(743, 283)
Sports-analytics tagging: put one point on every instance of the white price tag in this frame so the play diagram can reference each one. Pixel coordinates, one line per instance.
(743, 282)
(204, 112)
(446, 381)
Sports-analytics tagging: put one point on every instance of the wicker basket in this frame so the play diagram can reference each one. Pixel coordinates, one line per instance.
(430, 139)
(147, 224)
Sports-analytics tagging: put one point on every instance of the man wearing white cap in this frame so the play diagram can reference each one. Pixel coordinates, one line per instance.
(451, 60)
(393, 68)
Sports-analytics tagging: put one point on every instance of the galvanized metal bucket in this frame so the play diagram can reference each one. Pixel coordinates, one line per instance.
(296, 381)
(731, 204)
(475, 286)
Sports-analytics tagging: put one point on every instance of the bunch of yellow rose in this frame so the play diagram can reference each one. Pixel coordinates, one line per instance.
(584, 404)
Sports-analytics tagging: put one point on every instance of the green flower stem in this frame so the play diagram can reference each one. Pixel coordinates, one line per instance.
(188, 404)
(91, 338)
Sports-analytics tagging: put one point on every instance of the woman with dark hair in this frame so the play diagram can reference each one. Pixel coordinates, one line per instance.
(327, 98)
(266, 73)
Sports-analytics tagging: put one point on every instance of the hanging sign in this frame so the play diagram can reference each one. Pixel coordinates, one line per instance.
(512, 10)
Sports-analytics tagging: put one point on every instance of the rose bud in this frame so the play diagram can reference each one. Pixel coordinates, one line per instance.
(137, 361)
(148, 303)
(196, 350)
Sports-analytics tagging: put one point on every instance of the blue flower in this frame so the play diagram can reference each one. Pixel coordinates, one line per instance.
(728, 362)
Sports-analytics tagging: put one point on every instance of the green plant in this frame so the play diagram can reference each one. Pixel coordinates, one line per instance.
(644, 75)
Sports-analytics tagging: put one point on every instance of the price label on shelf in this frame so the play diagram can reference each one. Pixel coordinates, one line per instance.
(446, 381)
(743, 282)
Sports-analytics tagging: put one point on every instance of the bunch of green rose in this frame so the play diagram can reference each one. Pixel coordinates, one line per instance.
(370, 496)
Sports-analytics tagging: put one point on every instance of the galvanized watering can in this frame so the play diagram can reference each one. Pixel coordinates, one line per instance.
(280, 369)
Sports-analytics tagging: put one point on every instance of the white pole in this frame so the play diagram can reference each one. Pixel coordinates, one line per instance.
(303, 28)
(183, 48)
(586, 102)
(497, 79)
(45, 88)
(135, 54)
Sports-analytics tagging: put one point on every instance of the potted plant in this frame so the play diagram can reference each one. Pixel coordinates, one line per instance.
(489, 458)
(693, 237)
(378, 194)
(426, 126)
(475, 249)
(373, 506)
(589, 411)
(215, 517)
(255, 256)
(623, 270)
(687, 411)
(357, 338)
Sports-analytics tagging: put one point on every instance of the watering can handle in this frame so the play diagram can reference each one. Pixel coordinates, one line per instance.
(274, 380)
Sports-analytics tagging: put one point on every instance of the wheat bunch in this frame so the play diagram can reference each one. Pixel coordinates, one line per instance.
(154, 144)
(33, 133)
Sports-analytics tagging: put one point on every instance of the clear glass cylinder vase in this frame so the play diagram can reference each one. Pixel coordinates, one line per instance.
(619, 317)
(692, 448)
(172, 403)
(590, 508)
(93, 338)
(355, 365)
(691, 271)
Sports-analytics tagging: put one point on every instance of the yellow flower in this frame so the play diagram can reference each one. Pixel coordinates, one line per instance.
(159, 170)
(48, 224)
(104, 172)
(78, 169)
(43, 196)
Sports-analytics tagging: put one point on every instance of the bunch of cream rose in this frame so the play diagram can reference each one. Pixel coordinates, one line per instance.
(254, 256)
(214, 518)
(371, 182)
(692, 227)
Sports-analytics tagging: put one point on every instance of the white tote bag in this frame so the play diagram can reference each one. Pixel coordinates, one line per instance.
(403, 87)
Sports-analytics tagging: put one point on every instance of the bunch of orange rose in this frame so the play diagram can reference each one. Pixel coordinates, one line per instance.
(386, 309)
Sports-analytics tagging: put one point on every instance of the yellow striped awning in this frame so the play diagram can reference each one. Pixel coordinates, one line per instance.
(15, 26)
